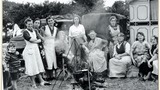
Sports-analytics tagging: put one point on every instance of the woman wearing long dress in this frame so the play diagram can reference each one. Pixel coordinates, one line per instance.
(96, 57)
(140, 54)
(31, 54)
(118, 65)
(50, 32)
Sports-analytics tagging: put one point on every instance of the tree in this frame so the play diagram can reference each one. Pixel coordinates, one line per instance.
(7, 7)
(88, 6)
(98, 7)
(119, 7)
(19, 12)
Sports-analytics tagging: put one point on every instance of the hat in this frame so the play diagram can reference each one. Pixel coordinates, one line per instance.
(121, 34)
(27, 19)
(112, 17)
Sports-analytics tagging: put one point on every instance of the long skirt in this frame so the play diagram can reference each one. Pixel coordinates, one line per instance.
(49, 48)
(33, 61)
(97, 60)
(155, 67)
(118, 68)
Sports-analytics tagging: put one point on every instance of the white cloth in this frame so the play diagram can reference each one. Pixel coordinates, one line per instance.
(96, 56)
(118, 68)
(17, 31)
(49, 47)
(97, 60)
(155, 67)
(31, 55)
(76, 31)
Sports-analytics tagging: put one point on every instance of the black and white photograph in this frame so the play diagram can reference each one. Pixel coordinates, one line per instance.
(80, 45)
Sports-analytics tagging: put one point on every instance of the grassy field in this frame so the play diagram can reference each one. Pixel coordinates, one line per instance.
(111, 84)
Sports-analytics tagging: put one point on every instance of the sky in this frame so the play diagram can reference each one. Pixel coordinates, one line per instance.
(107, 2)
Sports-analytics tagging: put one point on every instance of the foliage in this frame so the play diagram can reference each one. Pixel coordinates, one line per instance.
(120, 7)
(17, 13)
(88, 6)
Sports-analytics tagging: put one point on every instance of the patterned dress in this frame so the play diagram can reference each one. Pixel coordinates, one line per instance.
(140, 52)
(41, 49)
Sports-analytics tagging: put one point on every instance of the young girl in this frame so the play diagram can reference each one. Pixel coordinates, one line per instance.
(14, 63)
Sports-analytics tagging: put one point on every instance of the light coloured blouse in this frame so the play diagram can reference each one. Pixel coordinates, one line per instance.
(76, 31)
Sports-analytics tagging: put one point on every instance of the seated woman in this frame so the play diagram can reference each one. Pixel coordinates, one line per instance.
(96, 56)
(153, 62)
(118, 65)
(140, 54)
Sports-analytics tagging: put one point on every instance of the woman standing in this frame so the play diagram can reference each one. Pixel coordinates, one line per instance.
(77, 37)
(114, 29)
(118, 65)
(50, 32)
(31, 54)
(40, 34)
(140, 54)
(77, 33)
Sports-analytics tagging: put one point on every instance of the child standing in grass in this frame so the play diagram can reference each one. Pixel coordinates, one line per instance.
(13, 62)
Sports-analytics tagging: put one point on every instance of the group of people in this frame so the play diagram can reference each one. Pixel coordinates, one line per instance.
(81, 50)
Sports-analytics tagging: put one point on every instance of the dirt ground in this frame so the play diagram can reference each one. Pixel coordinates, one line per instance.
(111, 84)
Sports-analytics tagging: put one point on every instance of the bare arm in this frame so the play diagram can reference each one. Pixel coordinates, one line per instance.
(55, 32)
(155, 57)
(131, 54)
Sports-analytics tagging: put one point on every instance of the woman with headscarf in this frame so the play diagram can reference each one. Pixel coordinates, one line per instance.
(114, 29)
(95, 54)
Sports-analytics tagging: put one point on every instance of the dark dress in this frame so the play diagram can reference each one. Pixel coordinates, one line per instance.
(41, 49)
(144, 66)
